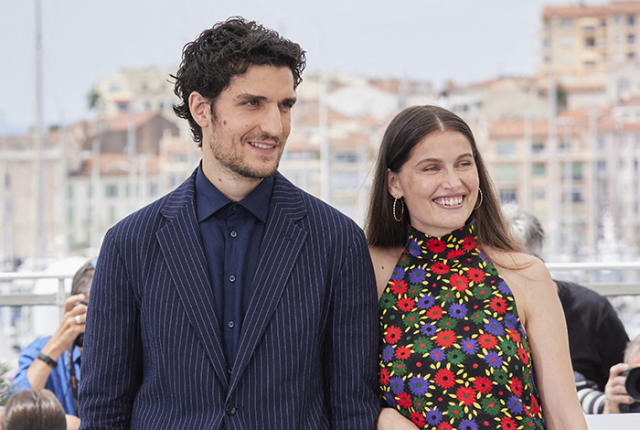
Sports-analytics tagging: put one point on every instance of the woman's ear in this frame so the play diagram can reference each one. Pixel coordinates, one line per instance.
(200, 109)
(395, 189)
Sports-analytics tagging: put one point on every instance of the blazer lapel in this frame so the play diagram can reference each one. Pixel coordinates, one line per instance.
(183, 251)
(281, 243)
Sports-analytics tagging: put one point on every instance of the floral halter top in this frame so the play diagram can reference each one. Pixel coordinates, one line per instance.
(453, 352)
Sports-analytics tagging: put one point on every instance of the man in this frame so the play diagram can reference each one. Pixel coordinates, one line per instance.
(53, 362)
(597, 337)
(237, 301)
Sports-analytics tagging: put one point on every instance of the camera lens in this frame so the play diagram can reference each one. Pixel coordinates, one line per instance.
(632, 383)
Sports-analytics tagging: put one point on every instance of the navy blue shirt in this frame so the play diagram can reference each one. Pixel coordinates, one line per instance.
(231, 233)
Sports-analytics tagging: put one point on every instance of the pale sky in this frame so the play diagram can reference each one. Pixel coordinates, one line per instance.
(85, 41)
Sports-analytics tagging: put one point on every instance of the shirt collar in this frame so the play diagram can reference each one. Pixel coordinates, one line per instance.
(210, 200)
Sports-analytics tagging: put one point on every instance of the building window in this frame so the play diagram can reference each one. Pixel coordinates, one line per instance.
(576, 171)
(576, 197)
(112, 214)
(631, 39)
(539, 193)
(537, 147)
(506, 148)
(507, 173)
(631, 55)
(566, 23)
(590, 41)
(508, 195)
(539, 169)
(111, 190)
(631, 20)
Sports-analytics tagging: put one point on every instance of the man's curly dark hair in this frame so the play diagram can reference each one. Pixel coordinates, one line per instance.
(228, 49)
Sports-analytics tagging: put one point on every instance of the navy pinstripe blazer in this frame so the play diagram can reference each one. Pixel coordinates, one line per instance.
(307, 358)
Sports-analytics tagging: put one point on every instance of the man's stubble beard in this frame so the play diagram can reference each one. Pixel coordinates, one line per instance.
(235, 164)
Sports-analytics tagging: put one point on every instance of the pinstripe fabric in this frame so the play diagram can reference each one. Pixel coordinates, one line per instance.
(307, 357)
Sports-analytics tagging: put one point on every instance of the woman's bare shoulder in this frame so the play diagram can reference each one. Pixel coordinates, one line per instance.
(384, 260)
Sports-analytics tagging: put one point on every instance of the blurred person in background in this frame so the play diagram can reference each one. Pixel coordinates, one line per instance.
(597, 337)
(34, 410)
(53, 362)
(616, 397)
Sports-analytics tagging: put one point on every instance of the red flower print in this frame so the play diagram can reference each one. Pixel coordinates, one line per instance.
(454, 253)
(445, 378)
(406, 304)
(445, 426)
(435, 312)
(398, 287)
(487, 341)
(404, 400)
(516, 387)
(393, 334)
(476, 275)
(498, 304)
(508, 423)
(522, 353)
(514, 335)
(436, 245)
(535, 408)
(417, 418)
(446, 338)
(440, 268)
(482, 384)
(459, 282)
(384, 376)
(466, 395)
(468, 243)
(402, 353)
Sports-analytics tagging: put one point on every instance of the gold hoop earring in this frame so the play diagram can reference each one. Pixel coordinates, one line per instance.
(481, 199)
(396, 217)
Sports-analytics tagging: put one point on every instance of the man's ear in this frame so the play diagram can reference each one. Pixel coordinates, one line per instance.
(200, 108)
(394, 184)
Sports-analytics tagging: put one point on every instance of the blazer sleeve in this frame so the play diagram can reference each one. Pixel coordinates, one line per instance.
(111, 359)
(351, 365)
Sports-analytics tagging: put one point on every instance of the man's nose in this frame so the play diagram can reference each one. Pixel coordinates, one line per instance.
(272, 121)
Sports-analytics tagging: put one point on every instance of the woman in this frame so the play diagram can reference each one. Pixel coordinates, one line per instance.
(465, 316)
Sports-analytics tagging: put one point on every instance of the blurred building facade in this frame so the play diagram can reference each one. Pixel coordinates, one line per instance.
(577, 170)
(582, 44)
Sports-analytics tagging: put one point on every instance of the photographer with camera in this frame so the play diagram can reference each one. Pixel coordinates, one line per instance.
(622, 392)
(53, 362)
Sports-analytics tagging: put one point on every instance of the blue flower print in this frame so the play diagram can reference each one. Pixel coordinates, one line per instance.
(425, 302)
(417, 275)
(419, 385)
(494, 327)
(458, 310)
(397, 384)
(468, 425)
(469, 346)
(387, 353)
(428, 329)
(434, 416)
(514, 404)
(398, 274)
(493, 359)
(437, 354)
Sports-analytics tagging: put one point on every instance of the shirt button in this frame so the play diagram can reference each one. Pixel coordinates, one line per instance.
(232, 278)
(231, 324)
(231, 409)
(233, 234)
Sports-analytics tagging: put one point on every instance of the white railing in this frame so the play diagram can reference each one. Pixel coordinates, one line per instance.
(583, 273)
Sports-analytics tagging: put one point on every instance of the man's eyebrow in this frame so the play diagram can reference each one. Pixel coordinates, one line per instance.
(289, 101)
(248, 96)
